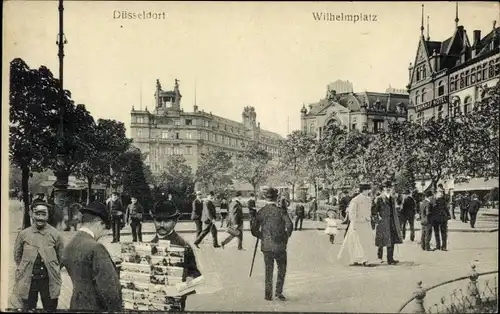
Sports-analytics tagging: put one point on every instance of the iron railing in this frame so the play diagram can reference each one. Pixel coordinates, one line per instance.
(477, 297)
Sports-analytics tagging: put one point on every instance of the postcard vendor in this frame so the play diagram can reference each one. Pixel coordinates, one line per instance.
(165, 219)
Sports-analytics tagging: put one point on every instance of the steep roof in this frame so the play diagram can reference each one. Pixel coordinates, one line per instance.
(485, 43)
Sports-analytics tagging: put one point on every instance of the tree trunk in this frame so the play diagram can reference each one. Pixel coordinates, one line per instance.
(90, 180)
(293, 191)
(25, 175)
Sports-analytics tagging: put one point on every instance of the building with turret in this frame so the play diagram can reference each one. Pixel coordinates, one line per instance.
(169, 130)
(447, 78)
(364, 111)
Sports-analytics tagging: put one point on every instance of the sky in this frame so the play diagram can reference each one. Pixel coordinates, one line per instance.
(273, 56)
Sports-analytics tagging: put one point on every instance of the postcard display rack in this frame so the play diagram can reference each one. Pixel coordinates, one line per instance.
(151, 276)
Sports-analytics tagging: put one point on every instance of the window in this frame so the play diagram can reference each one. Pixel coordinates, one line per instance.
(311, 128)
(176, 135)
(462, 81)
(467, 104)
(473, 76)
(205, 123)
(353, 126)
(188, 135)
(417, 98)
(419, 77)
(177, 122)
(378, 125)
(484, 74)
(420, 117)
(140, 119)
(177, 150)
(422, 98)
(497, 66)
(491, 71)
(188, 150)
(205, 136)
(170, 151)
(440, 88)
(440, 112)
(189, 122)
(423, 72)
(454, 109)
(467, 78)
(164, 134)
(139, 133)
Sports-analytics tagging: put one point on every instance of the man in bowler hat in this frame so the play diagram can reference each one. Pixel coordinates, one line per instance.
(96, 284)
(165, 219)
(273, 227)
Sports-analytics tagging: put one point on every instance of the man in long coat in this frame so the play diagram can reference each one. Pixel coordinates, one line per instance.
(96, 285)
(388, 228)
(273, 227)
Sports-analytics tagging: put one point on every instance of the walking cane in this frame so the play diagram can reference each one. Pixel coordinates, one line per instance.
(253, 258)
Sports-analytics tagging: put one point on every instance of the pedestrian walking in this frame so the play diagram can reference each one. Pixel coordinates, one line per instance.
(425, 221)
(464, 208)
(224, 208)
(165, 220)
(313, 209)
(235, 223)
(273, 227)
(116, 212)
(473, 208)
(388, 228)
(440, 218)
(208, 218)
(344, 200)
(96, 285)
(331, 229)
(408, 206)
(197, 213)
(300, 214)
(133, 217)
(37, 253)
(359, 240)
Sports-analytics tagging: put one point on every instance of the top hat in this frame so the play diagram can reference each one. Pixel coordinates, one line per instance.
(387, 184)
(364, 186)
(97, 209)
(271, 194)
(165, 210)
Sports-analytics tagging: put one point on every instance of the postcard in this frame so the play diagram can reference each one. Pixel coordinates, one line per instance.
(136, 268)
(135, 277)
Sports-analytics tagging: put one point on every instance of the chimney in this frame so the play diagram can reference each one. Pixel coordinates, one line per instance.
(475, 46)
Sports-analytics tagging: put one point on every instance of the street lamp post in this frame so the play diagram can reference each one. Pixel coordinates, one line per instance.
(61, 184)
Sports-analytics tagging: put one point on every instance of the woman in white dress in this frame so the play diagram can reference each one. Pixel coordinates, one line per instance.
(359, 241)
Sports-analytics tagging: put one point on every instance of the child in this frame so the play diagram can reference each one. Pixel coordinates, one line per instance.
(331, 226)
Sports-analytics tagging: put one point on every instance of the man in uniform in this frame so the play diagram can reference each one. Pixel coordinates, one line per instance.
(388, 228)
(165, 219)
(273, 227)
(37, 252)
(116, 211)
(96, 285)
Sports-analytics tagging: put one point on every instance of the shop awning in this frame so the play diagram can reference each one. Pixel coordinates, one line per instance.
(476, 184)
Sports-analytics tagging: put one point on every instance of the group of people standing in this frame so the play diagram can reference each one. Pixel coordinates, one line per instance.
(40, 253)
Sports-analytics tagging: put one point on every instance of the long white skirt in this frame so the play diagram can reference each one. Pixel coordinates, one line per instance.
(359, 244)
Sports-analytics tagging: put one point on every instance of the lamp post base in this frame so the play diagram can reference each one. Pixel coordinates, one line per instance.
(60, 210)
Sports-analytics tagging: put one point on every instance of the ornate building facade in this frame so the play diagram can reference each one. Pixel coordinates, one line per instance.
(341, 86)
(448, 77)
(168, 130)
(365, 111)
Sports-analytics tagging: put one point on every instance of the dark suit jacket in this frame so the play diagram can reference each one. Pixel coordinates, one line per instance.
(474, 206)
(273, 226)
(209, 211)
(236, 215)
(197, 209)
(96, 285)
(425, 211)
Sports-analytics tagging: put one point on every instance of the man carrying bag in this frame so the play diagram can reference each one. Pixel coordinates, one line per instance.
(235, 223)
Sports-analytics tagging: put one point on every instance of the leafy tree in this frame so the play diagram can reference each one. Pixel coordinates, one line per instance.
(134, 179)
(34, 104)
(295, 151)
(109, 146)
(251, 166)
(177, 177)
(481, 136)
(213, 169)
